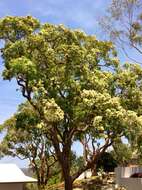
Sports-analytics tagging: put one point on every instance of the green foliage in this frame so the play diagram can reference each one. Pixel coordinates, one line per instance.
(107, 162)
(122, 153)
(30, 187)
(19, 28)
(54, 179)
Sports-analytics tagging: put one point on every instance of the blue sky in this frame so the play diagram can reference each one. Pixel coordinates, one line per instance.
(73, 13)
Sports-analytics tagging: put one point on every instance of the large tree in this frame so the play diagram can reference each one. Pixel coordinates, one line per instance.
(123, 24)
(68, 78)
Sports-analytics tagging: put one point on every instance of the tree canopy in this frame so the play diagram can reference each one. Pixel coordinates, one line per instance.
(74, 83)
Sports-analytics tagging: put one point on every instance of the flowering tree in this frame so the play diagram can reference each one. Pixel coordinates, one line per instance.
(69, 79)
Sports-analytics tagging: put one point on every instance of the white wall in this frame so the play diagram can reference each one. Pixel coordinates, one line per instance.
(123, 177)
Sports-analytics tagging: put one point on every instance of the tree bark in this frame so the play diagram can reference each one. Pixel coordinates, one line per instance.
(68, 184)
(85, 155)
(94, 170)
(63, 156)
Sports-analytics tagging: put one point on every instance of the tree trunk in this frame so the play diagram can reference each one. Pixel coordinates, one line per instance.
(94, 170)
(85, 154)
(41, 186)
(68, 183)
(63, 156)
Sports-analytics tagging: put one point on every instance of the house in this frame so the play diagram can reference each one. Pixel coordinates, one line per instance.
(124, 179)
(12, 178)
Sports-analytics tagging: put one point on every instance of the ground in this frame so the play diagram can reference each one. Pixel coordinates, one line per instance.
(104, 182)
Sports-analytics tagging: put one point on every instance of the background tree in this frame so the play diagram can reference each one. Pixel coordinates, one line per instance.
(25, 140)
(131, 98)
(127, 86)
(123, 24)
(122, 153)
(68, 78)
(107, 162)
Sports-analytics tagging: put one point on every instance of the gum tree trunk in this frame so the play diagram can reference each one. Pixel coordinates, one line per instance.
(68, 183)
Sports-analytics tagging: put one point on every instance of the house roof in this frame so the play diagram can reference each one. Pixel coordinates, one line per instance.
(10, 173)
